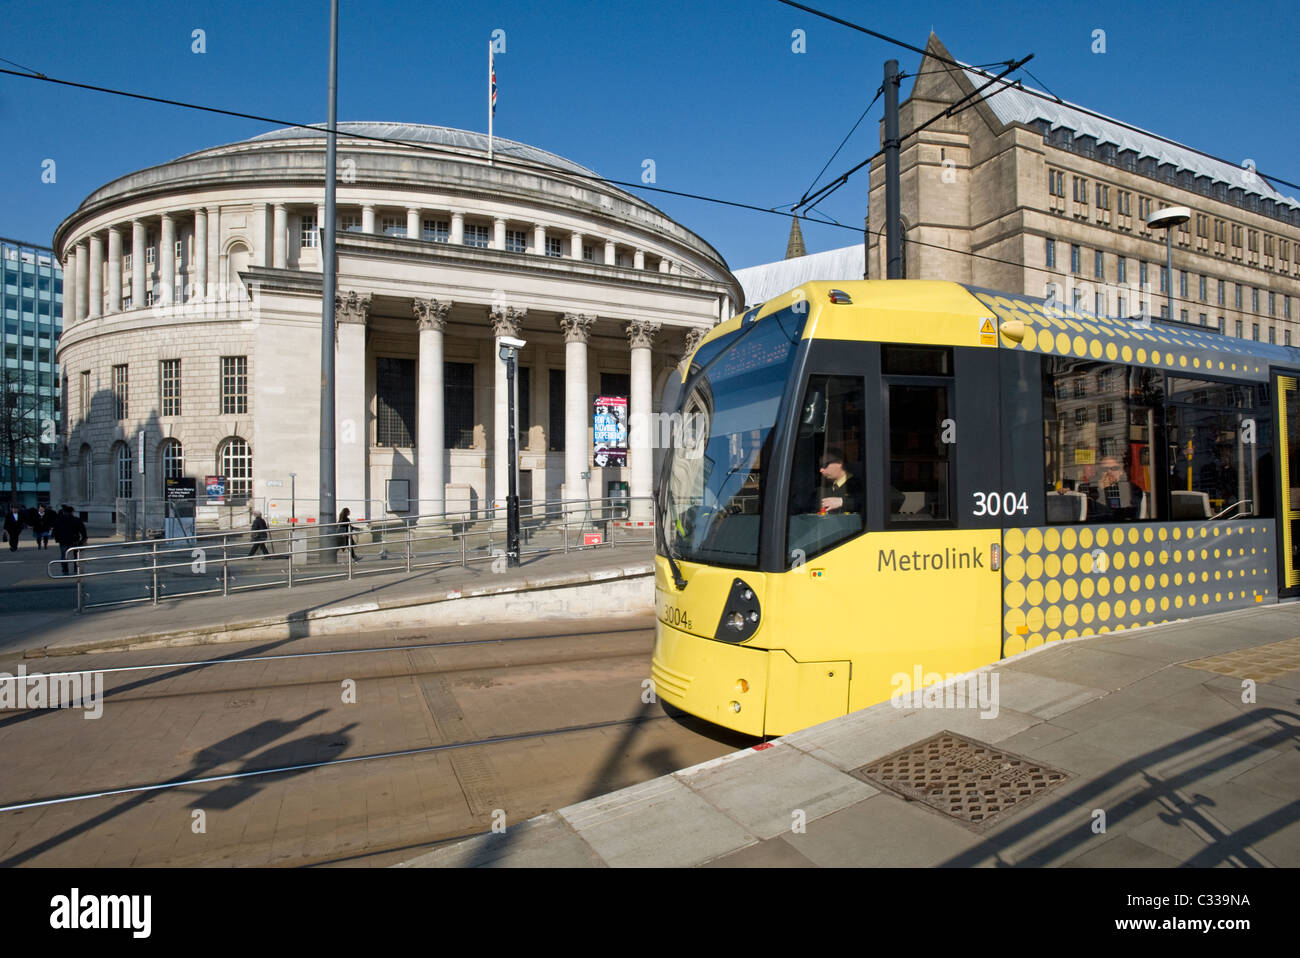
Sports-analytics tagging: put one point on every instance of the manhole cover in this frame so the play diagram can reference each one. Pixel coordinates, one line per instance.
(971, 782)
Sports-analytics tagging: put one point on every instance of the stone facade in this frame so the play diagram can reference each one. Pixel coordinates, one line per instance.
(217, 254)
(990, 194)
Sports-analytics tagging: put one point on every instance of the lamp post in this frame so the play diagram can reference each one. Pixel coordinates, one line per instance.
(1167, 219)
(509, 355)
(293, 498)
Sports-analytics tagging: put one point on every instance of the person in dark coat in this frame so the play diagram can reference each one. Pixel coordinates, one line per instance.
(43, 526)
(259, 536)
(69, 531)
(14, 523)
(346, 537)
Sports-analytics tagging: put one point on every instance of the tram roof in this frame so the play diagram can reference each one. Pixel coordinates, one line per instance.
(1050, 328)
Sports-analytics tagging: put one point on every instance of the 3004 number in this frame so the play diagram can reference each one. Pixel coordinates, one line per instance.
(1000, 504)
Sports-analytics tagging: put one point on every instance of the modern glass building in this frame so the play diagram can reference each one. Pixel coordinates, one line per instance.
(31, 282)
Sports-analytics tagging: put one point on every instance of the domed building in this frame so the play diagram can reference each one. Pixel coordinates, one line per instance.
(191, 328)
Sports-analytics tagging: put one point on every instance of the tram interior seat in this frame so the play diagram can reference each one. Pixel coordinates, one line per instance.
(1067, 507)
(1189, 504)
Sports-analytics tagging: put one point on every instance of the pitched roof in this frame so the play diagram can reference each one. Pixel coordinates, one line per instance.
(761, 283)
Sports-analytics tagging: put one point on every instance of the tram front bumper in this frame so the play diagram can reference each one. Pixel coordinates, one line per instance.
(721, 683)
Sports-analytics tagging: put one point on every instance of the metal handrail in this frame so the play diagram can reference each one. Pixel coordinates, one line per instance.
(410, 542)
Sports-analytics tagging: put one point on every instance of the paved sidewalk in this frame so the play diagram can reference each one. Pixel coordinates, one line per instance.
(1171, 745)
(373, 601)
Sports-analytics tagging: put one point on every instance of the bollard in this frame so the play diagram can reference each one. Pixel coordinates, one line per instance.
(408, 545)
(155, 572)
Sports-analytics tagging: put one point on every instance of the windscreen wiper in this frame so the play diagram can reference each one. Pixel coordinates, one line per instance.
(663, 538)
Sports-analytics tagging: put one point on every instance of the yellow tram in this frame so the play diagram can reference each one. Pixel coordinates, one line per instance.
(884, 479)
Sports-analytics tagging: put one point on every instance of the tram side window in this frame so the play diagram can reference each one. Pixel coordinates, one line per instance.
(919, 382)
(1219, 462)
(1101, 422)
(827, 490)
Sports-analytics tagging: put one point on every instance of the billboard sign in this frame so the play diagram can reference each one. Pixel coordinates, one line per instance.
(609, 431)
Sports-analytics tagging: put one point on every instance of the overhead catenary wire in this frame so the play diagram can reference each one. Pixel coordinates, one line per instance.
(500, 159)
(879, 93)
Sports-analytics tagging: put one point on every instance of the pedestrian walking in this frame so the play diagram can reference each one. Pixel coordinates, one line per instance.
(69, 531)
(43, 526)
(259, 536)
(345, 533)
(13, 526)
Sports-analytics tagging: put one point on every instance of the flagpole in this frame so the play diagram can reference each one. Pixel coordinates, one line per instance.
(490, 111)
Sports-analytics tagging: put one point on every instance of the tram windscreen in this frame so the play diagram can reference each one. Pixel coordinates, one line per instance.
(711, 501)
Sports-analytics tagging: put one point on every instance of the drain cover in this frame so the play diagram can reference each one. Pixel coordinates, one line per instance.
(968, 781)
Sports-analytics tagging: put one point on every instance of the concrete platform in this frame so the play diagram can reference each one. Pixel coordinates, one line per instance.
(613, 579)
(1180, 745)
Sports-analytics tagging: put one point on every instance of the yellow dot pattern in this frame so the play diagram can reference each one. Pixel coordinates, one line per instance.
(1064, 582)
(1061, 331)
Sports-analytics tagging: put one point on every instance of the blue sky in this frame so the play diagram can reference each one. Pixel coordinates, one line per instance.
(709, 90)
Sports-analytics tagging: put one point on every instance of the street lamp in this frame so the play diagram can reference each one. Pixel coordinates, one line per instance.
(509, 355)
(1167, 219)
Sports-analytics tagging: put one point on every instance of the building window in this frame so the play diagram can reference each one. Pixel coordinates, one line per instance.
(1125, 203)
(350, 222)
(1254, 331)
(394, 402)
(1142, 274)
(1182, 284)
(1182, 315)
(1286, 337)
(1272, 303)
(1237, 298)
(1122, 272)
(1099, 307)
(1144, 208)
(1103, 197)
(1099, 265)
(1254, 300)
(1239, 329)
(436, 231)
(553, 247)
(236, 462)
(173, 460)
(476, 236)
(88, 472)
(589, 253)
(1164, 279)
(125, 470)
(180, 252)
(1272, 335)
(458, 405)
(234, 385)
(122, 391)
(150, 255)
(1056, 183)
(1119, 310)
(84, 398)
(169, 377)
(1051, 254)
(1081, 190)
(1222, 294)
(1286, 307)
(392, 225)
(1201, 290)
(309, 236)
(516, 241)
(1075, 255)
(555, 418)
(616, 384)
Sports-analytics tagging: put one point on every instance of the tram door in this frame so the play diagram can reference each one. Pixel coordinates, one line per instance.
(1287, 392)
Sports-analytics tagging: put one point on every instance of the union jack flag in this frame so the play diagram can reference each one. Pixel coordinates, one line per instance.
(492, 70)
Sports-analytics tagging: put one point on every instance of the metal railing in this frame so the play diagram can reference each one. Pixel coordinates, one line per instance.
(228, 562)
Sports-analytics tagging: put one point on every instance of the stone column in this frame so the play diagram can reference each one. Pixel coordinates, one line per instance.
(95, 297)
(577, 332)
(139, 236)
(351, 407)
(664, 265)
(200, 271)
(412, 223)
(259, 229)
(609, 253)
(167, 261)
(367, 219)
(638, 259)
(499, 233)
(280, 237)
(114, 269)
(214, 252)
(640, 451)
(690, 340)
(575, 246)
(539, 239)
(457, 229)
(83, 280)
(506, 321)
(431, 485)
(70, 277)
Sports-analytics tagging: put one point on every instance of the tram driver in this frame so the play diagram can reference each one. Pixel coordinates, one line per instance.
(841, 489)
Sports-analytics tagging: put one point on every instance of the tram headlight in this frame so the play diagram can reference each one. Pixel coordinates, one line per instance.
(741, 616)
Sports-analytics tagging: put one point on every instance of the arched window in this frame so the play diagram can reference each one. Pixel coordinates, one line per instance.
(173, 460)
(125, 470)
(236, 461)
(87, 472)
